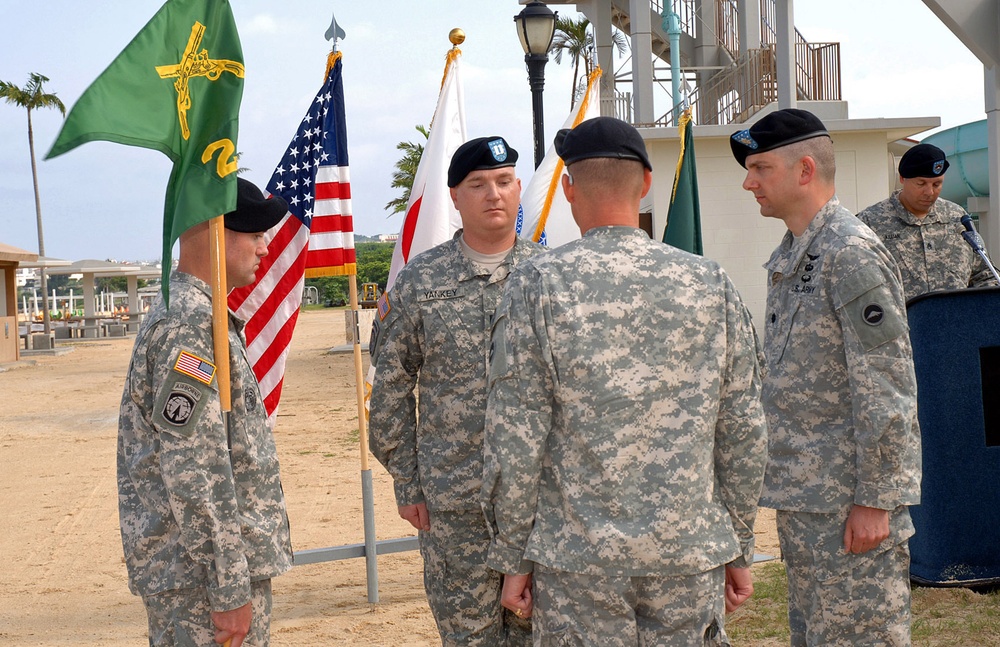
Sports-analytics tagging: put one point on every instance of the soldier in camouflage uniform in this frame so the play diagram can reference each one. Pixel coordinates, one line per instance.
(625, 438)
(840, 396)
(432, 335)
(923, 232)
(203, 519)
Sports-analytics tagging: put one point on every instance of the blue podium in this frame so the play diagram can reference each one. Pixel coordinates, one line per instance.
(956, 354)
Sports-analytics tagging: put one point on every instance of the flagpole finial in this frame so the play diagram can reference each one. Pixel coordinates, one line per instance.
(456, 36)
(334, 32)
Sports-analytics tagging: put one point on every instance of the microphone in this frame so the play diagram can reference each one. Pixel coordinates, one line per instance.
(975, 241)
(972, 236)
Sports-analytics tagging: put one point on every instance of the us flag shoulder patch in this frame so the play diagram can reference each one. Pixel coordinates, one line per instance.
(383, 306)
(194, 366)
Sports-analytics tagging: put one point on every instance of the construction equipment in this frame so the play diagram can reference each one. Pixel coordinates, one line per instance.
(369, 295)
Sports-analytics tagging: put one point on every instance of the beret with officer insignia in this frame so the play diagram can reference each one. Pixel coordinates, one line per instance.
(777, 129)
(480, 154)
(601, 137)
(923, 160)
(254, 213)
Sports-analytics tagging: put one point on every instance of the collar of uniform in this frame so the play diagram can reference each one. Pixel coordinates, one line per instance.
(788, 256)
(468, 270)
(615, 230)
(937, 214)
(196, 283)
(904, 214)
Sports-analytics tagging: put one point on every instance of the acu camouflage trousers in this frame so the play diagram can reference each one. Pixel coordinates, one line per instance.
(463, 593)
(840, 599)
(183, 618)
(581, 610)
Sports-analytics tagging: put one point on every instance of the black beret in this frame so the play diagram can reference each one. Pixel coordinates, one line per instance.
(601, 137)
(254, 213)
(480, 154)
(777, 129)
(923, 160)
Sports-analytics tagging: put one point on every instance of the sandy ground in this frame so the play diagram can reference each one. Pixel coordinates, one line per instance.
(63, 577)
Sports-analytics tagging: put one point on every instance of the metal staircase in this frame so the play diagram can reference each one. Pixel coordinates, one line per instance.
(743, 81)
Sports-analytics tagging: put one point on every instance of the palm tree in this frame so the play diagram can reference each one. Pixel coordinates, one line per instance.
(32, 97)
(406, 171)
(575, 38)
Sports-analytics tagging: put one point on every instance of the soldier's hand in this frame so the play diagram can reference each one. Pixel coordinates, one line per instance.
(232, 625)
(739, 587)
(416, 515)
(866, 528)
(516, 594)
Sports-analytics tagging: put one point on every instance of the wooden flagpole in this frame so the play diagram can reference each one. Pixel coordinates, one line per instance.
(220, 309)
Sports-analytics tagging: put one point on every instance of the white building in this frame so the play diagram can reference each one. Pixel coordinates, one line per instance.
(740, 59)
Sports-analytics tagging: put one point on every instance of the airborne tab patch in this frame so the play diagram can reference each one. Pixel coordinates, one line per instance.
(195, 367)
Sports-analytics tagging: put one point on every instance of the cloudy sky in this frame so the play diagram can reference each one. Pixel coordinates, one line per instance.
(104, 200)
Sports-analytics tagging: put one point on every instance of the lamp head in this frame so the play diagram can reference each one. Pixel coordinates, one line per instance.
(536, 25)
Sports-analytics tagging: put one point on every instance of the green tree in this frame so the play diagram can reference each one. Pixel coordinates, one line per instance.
(373, 261)
(116, 284)
(406, 171)
(31, 97)
(574, 38)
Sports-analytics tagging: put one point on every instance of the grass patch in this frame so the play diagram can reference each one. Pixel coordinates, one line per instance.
(352, 438)
(763, 619)
(955, 617)
(941, 617)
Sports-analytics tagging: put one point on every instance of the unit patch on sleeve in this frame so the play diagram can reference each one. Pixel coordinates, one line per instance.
(180, 404)
(195, 367)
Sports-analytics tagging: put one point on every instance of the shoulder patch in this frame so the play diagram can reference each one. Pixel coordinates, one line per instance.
(179, 406)
(873, 314)
(195, 367)
(383, 306)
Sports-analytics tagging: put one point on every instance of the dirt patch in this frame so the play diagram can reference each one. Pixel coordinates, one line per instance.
(64, 579)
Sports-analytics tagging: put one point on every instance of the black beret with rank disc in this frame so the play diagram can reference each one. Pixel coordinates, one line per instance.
(480, 154)
(777, 129)
(601, 137)
(254, 213)
(923, 160)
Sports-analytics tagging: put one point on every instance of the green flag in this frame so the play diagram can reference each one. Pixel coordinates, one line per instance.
(175, 88)
(683, 227)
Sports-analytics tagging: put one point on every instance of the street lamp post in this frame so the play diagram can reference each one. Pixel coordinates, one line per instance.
(536, 25)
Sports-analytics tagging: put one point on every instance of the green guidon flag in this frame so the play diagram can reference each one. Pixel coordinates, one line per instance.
(175, 88)
(683, 228)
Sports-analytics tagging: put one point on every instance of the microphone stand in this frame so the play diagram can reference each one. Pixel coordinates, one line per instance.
(975, 241)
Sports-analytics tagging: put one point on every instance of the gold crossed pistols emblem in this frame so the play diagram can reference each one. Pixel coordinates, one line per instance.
(195, 63)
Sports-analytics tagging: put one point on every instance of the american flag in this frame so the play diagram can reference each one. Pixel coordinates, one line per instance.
(316, 237)
(194, 366)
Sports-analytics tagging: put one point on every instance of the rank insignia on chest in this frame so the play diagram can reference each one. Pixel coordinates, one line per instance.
(195, 367)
